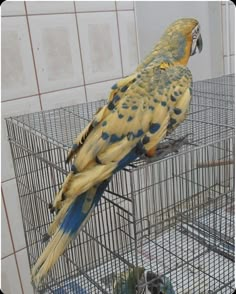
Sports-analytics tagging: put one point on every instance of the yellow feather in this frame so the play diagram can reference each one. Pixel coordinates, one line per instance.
(85, 180)
(117, 151)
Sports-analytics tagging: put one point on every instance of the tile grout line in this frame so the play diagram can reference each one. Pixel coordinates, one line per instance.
(7, 180)
(136, 33)
(11, 236)
(118, 29)
(222, 38)
(32, 51)
(80, 50)
(60, 90)
(60, 13)
(17, 251)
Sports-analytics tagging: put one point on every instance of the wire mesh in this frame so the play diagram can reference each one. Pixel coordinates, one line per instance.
(174, 216)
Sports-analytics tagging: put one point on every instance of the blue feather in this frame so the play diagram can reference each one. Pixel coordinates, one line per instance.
(131, 156)
(75, 215)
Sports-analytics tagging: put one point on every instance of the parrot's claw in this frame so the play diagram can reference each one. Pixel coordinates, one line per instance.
(164, 149)
(51, 208)
(46, 237)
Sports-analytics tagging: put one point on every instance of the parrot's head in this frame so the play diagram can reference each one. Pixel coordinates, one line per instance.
(184, 38)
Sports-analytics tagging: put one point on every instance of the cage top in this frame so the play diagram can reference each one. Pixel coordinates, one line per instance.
(211, 116)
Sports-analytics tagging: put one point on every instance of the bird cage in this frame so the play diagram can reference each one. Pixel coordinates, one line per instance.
(173, 215)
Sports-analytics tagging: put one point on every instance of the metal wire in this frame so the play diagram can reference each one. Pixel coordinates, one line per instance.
(174, 216)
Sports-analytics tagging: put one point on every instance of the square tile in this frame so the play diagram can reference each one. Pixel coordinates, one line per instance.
(231, 22)
(124, 5)
(100, 46)
(232, 64)
(229, 64)
(13, 108)
(22, 259)
(12, 8)
(18, 74)
(14, 213)
(36, 7)
(99, 91)
(63, 98)
(9, 276)
(224, 35)
(56, 50)
(128, 39)
(232, 28)
(6, 245)
(83, 6)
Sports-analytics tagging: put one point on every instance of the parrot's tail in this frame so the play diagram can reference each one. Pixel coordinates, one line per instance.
(74, 220)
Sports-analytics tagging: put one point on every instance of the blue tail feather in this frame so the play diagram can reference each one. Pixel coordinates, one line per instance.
(75, 216)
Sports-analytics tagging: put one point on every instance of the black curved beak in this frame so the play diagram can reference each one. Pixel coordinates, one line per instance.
(199, 43)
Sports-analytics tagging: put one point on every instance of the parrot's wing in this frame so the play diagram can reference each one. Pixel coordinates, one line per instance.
(112, 133)
(180, 96)
(134, 117)
(117, 89)
(174, 95)
(86, 131)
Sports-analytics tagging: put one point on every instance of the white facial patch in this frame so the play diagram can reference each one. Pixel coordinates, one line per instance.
(195, 35)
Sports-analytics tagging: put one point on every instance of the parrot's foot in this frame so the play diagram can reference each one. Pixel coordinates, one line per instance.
(46, 237)
(53, 208)
(164, 149)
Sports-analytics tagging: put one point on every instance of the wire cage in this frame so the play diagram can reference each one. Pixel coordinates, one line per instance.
(174, 215)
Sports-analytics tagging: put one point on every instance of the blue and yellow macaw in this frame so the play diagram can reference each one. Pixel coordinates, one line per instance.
(142, 108)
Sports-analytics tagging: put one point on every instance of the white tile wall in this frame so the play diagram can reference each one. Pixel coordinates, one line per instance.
(63, 98)
(232, 29)
(99, 91)
(224, 37)
(36, 7)
(14, 213)
(128, 41)
(18, 75)
(6, 245)
(9, 8)
(13, 108)
(24, 269)
(65, 77)
(100, 46)
(229, 53)
(56, 49)
(229, 64)
(9, 276)
(124, 5)
(82, 6)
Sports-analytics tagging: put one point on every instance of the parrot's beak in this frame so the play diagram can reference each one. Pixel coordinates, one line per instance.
(199, 43)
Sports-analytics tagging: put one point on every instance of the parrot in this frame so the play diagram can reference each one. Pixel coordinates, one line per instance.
(141, 110)
(126, 282)
(140, 281)
(152, 283)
